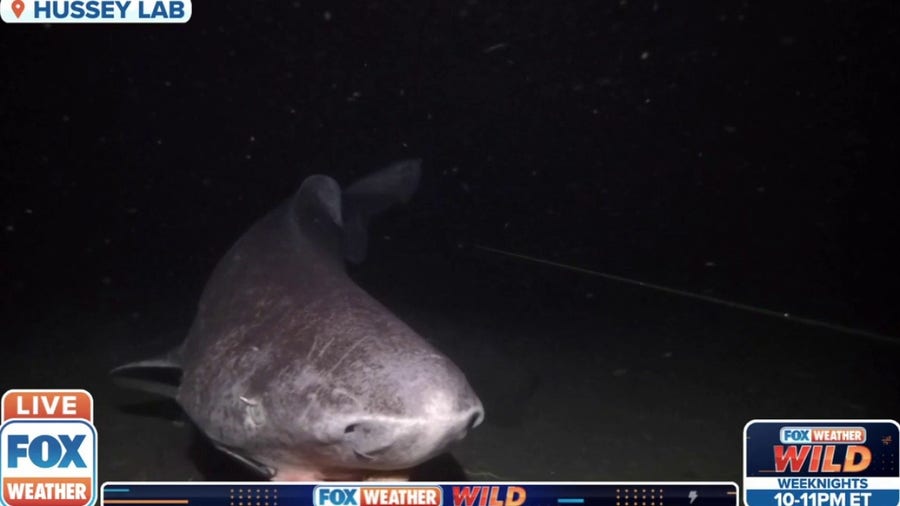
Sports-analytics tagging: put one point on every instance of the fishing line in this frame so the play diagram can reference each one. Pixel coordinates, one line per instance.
(692, 295)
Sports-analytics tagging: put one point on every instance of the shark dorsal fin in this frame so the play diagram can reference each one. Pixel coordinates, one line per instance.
(371, 195)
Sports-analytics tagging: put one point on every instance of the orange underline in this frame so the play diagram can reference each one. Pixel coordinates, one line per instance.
(145, 501)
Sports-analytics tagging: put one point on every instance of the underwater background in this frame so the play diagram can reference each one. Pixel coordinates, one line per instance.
(742, 151)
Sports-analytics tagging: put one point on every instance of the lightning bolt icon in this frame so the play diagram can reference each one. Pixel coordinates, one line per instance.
(692, 495)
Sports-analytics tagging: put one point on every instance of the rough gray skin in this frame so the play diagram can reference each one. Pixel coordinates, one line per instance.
(290, 365)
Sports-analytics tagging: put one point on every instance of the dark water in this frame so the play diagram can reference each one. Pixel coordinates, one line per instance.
(740, 150)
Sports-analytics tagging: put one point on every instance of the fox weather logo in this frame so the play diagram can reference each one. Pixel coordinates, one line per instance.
(48, 448)
(95, 11)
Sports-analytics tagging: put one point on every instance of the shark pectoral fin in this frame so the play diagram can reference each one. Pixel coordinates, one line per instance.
(146, 385)
(371, 195)
(258, 467)
(160, 375)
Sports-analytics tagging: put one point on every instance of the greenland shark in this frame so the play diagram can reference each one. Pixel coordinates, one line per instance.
(293, 369)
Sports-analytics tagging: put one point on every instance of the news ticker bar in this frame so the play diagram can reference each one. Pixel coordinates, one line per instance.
(422, 494)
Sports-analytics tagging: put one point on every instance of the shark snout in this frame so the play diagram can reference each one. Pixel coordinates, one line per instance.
(414, 414)
(394, 442)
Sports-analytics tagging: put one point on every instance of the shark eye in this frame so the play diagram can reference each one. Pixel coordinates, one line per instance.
(350, 428)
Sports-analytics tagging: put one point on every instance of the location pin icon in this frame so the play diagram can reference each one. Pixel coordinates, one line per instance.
(18, 6)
